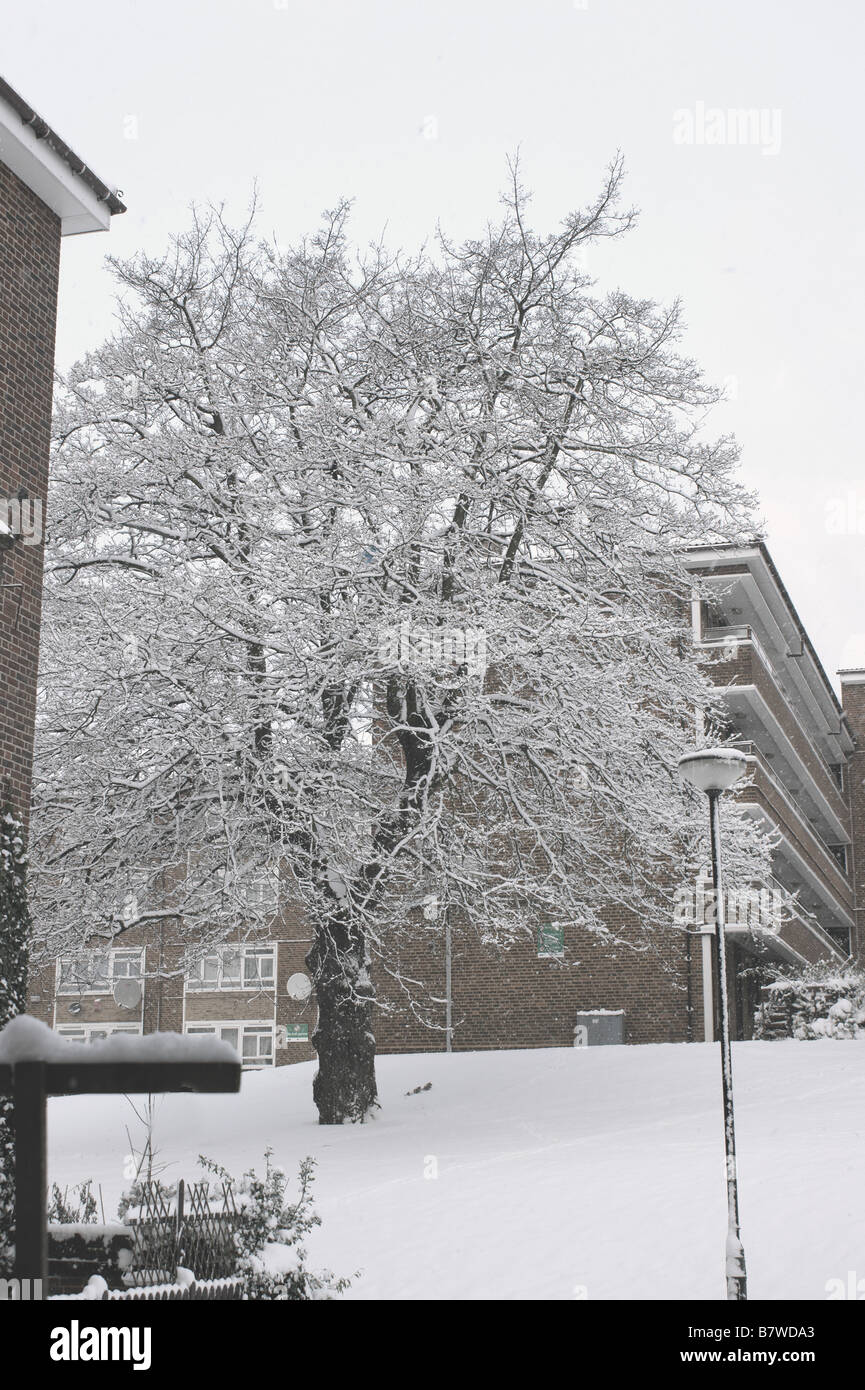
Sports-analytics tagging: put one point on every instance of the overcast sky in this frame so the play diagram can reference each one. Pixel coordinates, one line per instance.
(411, 109)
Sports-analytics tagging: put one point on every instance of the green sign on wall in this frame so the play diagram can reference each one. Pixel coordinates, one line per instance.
(297, 1032)
(551, 940)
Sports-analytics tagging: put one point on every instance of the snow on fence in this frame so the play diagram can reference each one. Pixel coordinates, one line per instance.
(186, 1289)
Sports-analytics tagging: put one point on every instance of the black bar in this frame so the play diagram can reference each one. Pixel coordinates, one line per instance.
(82, 1078)
(31, 1172)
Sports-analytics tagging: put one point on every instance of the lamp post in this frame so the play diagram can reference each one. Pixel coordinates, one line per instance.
(714, 771)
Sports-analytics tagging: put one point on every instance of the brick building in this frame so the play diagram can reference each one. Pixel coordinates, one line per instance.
(46, 193)
(807, 754)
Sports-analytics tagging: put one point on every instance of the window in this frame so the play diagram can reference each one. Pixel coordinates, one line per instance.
(254, 1041)
(235, 967)
(257, 1047)
(126, 965)
(263, 891)
(551, 940)
(255, 887)
(96, 972)
(258, 967)
(94, 1032)
(839, 853)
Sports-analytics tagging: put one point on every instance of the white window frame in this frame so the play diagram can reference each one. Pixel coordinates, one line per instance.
(124, 953)
(264, 889)
(195, 982)
(89, 1030)
(252, 1027)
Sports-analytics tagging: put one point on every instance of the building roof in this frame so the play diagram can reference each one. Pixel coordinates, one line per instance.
(38, 156)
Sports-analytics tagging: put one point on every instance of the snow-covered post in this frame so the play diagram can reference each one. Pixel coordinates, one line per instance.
(714, 771)
(35, 1063)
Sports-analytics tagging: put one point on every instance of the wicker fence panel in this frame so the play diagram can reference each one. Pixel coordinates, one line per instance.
(192, 1230)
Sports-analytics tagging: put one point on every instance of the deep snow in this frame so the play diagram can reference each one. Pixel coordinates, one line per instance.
(562, 1173)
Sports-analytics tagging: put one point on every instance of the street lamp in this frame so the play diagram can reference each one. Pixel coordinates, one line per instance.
(714, 771)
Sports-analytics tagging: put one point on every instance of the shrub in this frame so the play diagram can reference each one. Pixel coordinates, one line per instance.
(74, 1210)
(823, 1001)
(269, 1238)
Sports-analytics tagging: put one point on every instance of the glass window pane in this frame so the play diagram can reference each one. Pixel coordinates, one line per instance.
(210, 970)
(100, 970)
(258, 967)
(231, 969)
(127, 965)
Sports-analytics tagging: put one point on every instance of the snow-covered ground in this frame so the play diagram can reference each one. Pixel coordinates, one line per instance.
(592, 1172)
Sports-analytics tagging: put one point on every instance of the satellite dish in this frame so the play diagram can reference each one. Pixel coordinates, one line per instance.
(299, 987)
(127, 993)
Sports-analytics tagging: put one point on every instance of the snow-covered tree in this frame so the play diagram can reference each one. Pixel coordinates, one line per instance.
(370, 566)
(14, 938)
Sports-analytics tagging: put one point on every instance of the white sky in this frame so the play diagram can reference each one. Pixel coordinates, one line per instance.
(181, 100)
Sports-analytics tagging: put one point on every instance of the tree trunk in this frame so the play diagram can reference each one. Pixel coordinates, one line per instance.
(344, 1088)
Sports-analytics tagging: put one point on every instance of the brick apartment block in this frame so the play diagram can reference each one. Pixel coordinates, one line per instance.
(46, 192)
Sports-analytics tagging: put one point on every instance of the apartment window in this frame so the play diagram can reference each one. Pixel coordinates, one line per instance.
(259, 967)
(233, 967)
(839, 853)
(254, 1041)
(96, 972)
(126, 965)
(713, 615)
(263, 891)
(551, 940)
(95, 1032)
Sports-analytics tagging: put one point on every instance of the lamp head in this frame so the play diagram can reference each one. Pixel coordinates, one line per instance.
(713, 769)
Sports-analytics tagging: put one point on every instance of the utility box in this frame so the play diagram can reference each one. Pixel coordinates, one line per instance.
(599, 1027)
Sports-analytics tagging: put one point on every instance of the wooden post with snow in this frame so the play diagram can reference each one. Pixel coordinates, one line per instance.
(40, 1065)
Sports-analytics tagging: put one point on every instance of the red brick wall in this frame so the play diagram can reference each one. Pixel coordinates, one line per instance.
(29, 266)
(515, 998)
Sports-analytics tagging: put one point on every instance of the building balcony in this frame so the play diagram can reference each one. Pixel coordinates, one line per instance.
(761, 709)
(807, 857)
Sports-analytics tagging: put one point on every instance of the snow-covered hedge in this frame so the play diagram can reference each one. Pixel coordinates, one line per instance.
(820, 1002)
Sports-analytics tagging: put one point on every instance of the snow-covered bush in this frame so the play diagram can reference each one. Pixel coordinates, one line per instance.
(822, 1001)
(79, 1208)
(271, 1255)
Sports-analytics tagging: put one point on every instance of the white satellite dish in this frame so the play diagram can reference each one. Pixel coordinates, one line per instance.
(127, 994)
(299, 987)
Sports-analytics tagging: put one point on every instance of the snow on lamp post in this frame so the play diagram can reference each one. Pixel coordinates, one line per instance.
(714, 771)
